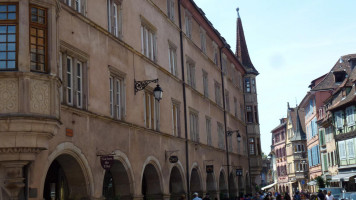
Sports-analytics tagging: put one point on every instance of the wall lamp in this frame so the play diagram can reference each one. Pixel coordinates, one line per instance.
(229, 133)
(140, 85)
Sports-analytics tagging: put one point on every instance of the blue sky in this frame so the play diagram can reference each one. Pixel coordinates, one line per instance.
(291, 42)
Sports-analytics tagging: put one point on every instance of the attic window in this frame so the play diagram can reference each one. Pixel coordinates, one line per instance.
(339, 76)
(341, 60)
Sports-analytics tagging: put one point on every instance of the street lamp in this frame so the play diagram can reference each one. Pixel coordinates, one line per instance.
(157, 92)
(229, 133)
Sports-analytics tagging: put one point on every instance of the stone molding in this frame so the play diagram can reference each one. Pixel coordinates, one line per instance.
(21, 150)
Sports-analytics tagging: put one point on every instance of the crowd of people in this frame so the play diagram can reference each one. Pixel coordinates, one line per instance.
(321, 195)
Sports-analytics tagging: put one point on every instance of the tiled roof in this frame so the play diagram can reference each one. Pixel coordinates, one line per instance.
(329, 82)
(241, 48)
(279, 126)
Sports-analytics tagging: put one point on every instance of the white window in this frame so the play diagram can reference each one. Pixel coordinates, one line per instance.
(202, 39)
(224, 64)
(339, 119)
(114, 17)
(350, 148)
(342, 150)
(251, 142)
(172, 56)
(79, 88)
(116, 97)
(188, 24)
(208, 130)
(69, 80)
(220, 136)
(350, 116)
(191, 74)
(215, 53)
(77, 5)
(148, 42)
(175, 119)
(152, 111)
(170, 9)
(217, 93)
(194, 130)
(205, 83)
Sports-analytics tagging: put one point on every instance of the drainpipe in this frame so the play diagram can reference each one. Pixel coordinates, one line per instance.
(225, 129)
(184, 101)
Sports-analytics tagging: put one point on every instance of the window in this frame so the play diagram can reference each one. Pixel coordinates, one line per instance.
(235, 106)
(38, 38)
(170, 9)
(322, 136)
(191, 74)
(227, 101)
(188, 24)
(253, 85)
(194, 130)
(249, 115)
(114, 17)
(202, 39)
(350, 148)
(325, 164)
(242, 113)
(339, 119)
(215, 53)
(73, 72)
(220, 136)
(117, 97)
(172, 56)
(256, 114)
(175, 118)
(247, 85)
(350, 119)
(217, 93)
(148, 42)
(152, 111)
(208, 130)
(342, 150)
(77, 5)
(224, 64)
(205, 83)
(251, 142)
(8, 36)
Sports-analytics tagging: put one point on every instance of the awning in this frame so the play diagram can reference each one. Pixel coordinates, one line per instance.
(268, 186)
(312, 183)
(342, 177)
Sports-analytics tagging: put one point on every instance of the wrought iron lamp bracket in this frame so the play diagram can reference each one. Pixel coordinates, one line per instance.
(140, 85)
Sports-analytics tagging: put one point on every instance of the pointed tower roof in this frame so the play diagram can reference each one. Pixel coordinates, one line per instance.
(241, 47)
(299, 133)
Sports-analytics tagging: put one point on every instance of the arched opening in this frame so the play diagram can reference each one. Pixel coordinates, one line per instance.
(222, 186)
(232, 184)
(210, 185)
(65, 180)
(151, 185)
(176, 188)
(116, 182)
(195, 184)
(241, 187)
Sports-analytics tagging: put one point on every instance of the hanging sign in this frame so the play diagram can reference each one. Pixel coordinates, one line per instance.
(173, 159)
(106, 161)
(238, 172)
(209, 169)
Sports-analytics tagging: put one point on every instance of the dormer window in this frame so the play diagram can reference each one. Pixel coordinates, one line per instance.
(339, 76)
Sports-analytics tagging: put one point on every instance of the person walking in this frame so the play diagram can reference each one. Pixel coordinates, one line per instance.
(329, 196)
(195, 196)
(286, 196)
(321, 196)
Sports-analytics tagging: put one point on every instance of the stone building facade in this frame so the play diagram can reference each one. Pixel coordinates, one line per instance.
(68, 74)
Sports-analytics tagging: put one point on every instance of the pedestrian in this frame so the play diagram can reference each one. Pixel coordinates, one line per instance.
(182, 197)
(195, 196)
(321, 196)
(329, 196)
(207, 197)
(279, 197)
(296, 196)
(286, 196)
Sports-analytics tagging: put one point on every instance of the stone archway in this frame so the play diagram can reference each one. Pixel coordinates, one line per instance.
(195, 183)
(211, 185)
(222, 186)
(151, 184)
(232, 184)
(176, 187)
(117, 182)
(64, 179)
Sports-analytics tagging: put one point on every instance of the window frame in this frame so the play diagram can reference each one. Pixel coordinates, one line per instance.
(170, 9)
(114, 9)
(9, 22)
(172, 53)
(176, 118)
(205, 84)
(148, 41)
(117, 96)
(217, 93)
(251, 144)
(191, 74)
(152, 113)
(208, 131)
(188, 24)
(194, 125)
(43, 27)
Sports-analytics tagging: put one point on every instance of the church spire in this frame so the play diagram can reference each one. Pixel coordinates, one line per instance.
(241, 47)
